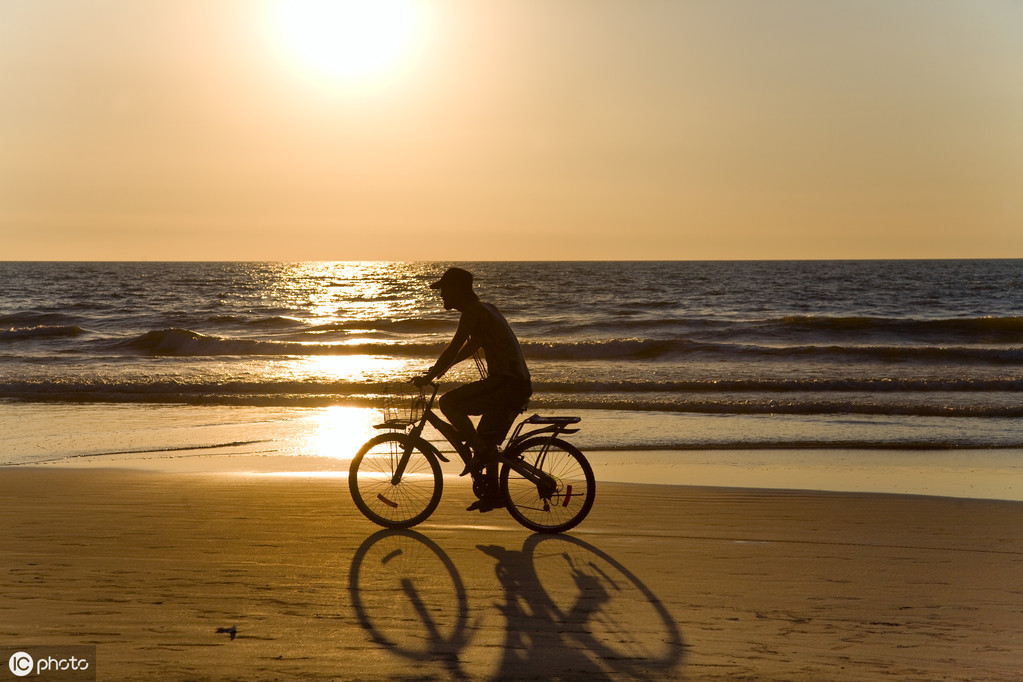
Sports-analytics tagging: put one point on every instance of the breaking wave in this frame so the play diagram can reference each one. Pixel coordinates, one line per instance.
(43, 331)
(905, 397)
(184, 342)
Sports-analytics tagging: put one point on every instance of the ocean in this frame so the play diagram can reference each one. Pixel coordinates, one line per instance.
(654, 355)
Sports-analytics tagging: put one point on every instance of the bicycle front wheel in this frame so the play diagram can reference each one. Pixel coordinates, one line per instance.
(560, 501)
(379, 497)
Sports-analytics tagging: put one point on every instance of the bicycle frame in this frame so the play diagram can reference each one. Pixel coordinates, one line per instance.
(531, 471)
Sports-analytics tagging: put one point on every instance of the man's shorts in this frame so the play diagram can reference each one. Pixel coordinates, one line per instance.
(497, 399)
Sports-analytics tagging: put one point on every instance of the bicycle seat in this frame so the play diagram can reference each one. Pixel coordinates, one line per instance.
(560, 421)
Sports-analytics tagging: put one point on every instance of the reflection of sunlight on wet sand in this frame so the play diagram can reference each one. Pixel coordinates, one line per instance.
(340, 432)
(299, 474)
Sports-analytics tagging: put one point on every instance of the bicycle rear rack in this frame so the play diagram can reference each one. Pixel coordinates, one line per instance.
(552, 425)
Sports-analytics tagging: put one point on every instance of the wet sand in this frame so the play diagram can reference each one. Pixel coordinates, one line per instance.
(660, 582)
(187, 438)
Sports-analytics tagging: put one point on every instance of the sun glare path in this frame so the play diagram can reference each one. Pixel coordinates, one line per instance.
(340, 431)
(348, 39)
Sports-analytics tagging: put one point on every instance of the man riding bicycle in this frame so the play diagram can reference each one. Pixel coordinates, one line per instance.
(498, 396)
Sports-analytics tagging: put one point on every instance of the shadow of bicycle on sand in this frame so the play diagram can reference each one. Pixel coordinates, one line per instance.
(560, 609)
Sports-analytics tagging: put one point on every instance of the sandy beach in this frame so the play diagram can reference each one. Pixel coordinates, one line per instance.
(667, 582)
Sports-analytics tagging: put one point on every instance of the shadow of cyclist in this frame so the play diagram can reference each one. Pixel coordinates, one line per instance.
(569, 609)
(536, 644)
(580, 612)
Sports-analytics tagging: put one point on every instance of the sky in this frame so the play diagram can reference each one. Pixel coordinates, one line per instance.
(510, 129)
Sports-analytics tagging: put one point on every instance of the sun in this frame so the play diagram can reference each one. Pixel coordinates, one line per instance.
(348, 39)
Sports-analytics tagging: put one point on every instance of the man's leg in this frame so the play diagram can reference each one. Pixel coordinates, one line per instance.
(507, 397)
(484, 398)
(458, 403)
(494, 426)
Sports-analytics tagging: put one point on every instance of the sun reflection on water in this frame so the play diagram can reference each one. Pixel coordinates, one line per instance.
(339, 431)
(348, 368)
(352, 291)
(343, 305)
(334, 333)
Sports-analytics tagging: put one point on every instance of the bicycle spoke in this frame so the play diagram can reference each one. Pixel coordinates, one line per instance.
(549, 507)
(394, 505)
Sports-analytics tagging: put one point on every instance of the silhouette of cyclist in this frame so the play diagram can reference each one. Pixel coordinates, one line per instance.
(500, 395)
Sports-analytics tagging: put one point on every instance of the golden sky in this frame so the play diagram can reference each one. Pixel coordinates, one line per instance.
(510, 129)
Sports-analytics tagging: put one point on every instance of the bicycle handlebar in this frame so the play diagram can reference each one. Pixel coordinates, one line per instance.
(422, 384)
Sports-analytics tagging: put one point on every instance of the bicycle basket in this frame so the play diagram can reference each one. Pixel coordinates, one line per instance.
(403, 406)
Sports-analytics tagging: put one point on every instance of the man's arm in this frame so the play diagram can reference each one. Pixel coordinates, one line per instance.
(461, 347)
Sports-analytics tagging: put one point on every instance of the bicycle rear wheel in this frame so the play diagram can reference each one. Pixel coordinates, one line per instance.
(561, 504)
(395, 505)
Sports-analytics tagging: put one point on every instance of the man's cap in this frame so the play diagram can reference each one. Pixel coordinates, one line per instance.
(455, 278)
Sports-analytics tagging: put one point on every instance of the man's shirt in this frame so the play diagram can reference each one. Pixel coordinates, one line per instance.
(490, 331)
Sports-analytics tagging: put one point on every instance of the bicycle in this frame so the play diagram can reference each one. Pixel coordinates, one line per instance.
(396, 479)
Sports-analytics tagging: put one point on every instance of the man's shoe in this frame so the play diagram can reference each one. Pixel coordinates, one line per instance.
(488, 503)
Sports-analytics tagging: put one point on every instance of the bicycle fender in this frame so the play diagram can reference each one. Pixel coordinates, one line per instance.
(427, 446)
